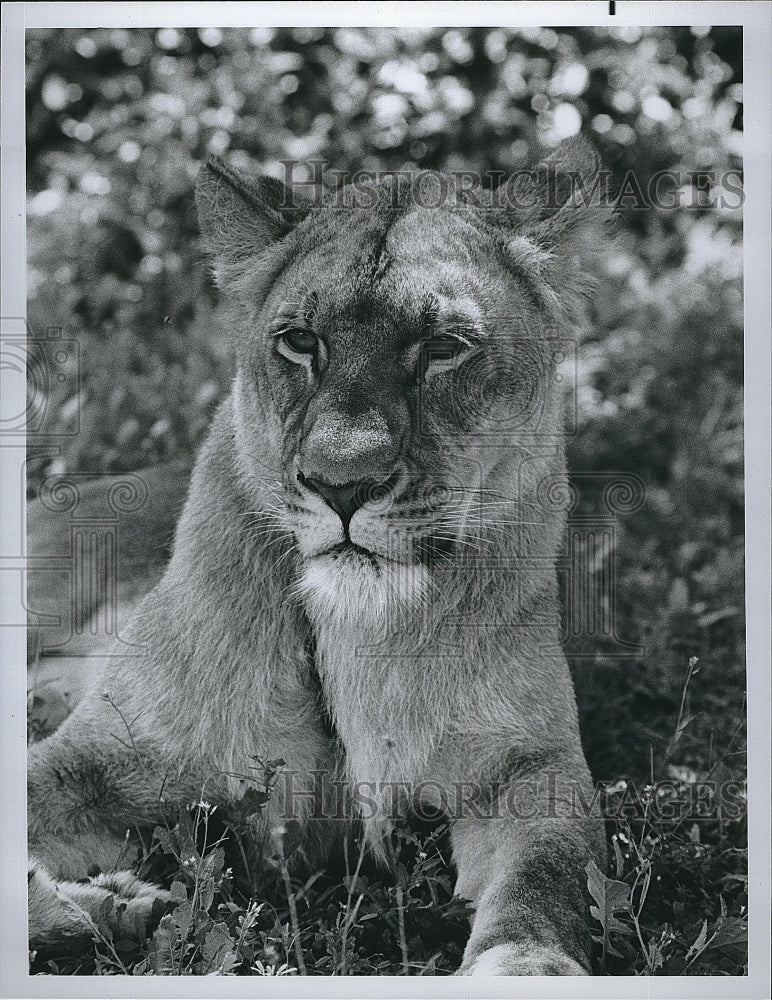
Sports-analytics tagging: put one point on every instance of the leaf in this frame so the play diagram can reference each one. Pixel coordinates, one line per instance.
(185, 832)
(217, 950)
(252, 801)
(209, 871)
(678, 598)
(162, 946)
(735, 877)
(683, 725)
(705, 621)
(182, 916)
(729, 931)
(612, 897)
(655, 956)
(103, 914)
(699, 944)
(619, 861)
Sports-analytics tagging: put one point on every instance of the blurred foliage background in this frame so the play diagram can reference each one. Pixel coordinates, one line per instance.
(118, 124)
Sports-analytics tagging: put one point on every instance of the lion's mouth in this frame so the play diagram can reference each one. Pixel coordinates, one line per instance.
(350, 550)
(426, 551)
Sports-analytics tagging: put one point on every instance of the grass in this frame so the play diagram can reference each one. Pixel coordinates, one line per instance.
(673, 902)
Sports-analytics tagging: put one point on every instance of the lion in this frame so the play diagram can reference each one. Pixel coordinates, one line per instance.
(363, 577)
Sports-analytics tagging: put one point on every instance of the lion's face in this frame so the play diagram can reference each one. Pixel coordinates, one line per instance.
(391, 356)
(394, 375)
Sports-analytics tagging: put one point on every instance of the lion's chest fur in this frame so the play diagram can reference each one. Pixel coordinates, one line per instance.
(388, 717)
(406, 694)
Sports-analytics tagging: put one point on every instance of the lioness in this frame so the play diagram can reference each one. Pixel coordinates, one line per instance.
(363, 578)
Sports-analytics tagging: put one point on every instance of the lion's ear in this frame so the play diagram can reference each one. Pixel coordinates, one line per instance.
(561, 223)
(242, 217)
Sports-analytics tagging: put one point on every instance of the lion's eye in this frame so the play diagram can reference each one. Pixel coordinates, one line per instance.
(444, 347)
(441, 353)
(300, 341)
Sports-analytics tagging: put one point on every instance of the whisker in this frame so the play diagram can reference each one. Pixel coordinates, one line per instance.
(290, 551)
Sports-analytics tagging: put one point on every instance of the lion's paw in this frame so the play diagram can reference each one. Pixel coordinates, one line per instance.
(63, 911)
(511, 960)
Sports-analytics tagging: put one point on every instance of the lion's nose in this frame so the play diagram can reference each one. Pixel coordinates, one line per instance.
(346, 498)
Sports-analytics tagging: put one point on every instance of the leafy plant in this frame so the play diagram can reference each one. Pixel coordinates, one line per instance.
(669, 850)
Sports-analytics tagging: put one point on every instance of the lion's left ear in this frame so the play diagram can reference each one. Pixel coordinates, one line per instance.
(560, 224)
(243, 219)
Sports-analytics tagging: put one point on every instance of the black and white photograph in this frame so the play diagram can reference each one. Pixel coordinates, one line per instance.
(386, 508)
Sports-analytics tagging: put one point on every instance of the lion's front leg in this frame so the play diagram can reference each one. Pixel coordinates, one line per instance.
(522, 864)
(86, 799)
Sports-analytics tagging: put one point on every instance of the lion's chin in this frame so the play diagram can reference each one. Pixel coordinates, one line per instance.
(362, 589)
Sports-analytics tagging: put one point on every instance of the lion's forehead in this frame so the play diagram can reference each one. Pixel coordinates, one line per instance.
(393, 268)
(431, 237)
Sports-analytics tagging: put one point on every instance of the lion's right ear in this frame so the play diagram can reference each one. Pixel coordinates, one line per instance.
(562, 225)
(242, 219)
